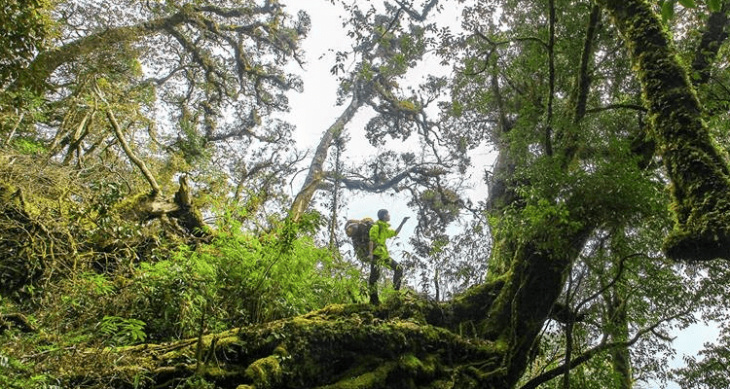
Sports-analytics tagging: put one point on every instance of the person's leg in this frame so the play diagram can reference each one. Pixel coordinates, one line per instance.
(397, 273)
(373, 281)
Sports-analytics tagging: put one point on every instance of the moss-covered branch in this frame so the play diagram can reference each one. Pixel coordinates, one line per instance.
(131, 155)
(713, 37)
(698, 172)
(355, 346)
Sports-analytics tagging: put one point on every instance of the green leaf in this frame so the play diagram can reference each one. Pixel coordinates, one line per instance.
(688, 3)
(714, 5)
(667, 10)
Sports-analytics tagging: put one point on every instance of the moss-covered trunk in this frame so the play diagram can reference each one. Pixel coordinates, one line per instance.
(699, 173)
(356, 346)
(532, 286)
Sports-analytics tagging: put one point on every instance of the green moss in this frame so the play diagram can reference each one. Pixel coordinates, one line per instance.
(374, 379)
(410, 362)
(424, 368)
(699, 174)
(265, 372)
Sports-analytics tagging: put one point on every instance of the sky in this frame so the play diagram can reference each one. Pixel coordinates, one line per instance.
(315, 109)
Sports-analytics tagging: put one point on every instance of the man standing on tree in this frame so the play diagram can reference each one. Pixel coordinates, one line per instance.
(378, 253)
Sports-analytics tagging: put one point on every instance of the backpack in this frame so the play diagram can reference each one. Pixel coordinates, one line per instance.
(359, 233)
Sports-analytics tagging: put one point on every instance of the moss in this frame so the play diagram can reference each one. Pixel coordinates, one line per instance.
(374, 379)
(337, 347)
(422, 369)
(699, 174)
(265, 372)
(7, 195)
(410, 362)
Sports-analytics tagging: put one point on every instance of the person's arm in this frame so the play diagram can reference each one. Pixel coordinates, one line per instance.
(397, 230)
(370, 242)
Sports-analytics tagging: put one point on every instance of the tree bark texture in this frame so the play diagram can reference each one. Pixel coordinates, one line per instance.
(698, 172)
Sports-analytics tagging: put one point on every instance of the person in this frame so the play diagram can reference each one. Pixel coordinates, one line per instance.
(378, 253)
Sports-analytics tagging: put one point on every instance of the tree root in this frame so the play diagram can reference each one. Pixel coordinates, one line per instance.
(341, 346)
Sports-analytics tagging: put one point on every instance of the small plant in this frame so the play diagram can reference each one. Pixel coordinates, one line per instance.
(196, 383)
(120, 331)
(28, 146)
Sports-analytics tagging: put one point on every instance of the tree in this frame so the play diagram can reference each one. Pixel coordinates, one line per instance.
(143, 101)
(169, 86)
(572, 192)
(26, 27)
(386, 49)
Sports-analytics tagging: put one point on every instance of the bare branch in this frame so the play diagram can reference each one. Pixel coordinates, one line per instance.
(601, 347)
(130, 154)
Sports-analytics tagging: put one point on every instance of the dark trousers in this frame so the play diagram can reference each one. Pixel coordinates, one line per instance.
(375, 274)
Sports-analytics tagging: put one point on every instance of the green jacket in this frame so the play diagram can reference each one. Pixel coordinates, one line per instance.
(379, 232)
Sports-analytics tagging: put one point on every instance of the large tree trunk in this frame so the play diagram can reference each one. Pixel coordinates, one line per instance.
(699, 173)
(400, 344)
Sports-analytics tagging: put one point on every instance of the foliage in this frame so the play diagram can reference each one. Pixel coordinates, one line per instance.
(235, 280)
(25, 27)
(14, 374)
(562, 264)
(709, 369)
(120, 331)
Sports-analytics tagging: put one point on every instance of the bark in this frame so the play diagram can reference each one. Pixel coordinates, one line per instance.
(130, 154)
(316, 173)
(712, 38)
(698, 172)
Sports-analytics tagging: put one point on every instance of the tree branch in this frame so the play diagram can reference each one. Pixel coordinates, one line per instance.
(699, 173)
(709, 45)
(381, 186)
(316, 168)
(584, 79)
(130, 154)
(586, 356)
